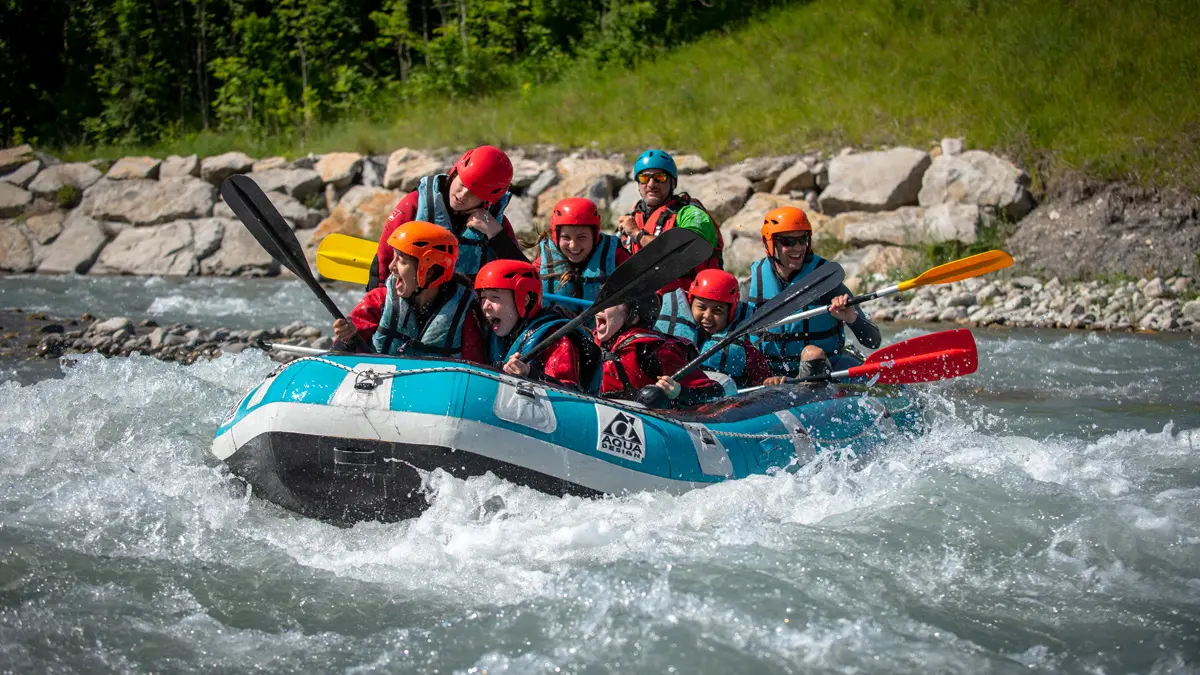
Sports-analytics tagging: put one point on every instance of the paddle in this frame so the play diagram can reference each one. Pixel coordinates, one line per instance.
(965, 268)
(937, 356)
(671, 255)
(259, 216)
(344, 258)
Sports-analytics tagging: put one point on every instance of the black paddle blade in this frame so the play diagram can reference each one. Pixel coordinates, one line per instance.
(671, 255)
(799, 294)
(259, 215)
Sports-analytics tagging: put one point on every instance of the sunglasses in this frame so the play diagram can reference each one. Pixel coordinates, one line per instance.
(646, 177)
(788, 242)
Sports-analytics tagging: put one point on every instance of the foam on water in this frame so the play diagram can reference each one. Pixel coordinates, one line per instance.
(128, 548)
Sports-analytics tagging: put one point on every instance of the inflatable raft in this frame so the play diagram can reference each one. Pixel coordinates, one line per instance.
(346, 438)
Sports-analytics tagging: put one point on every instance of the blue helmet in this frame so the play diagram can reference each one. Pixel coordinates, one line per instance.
(656, 159)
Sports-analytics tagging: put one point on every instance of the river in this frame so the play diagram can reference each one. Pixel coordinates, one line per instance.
(1049, 522)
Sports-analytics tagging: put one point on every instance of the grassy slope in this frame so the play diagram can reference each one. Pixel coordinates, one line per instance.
(1108, 88)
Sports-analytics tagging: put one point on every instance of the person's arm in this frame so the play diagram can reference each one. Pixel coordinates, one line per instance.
(695, 387)
(866, 332)
(504, 246)
(365, 317)
(562, 364)
(622, 255)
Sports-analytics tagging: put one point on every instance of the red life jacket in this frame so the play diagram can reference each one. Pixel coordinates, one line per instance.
(662, 219)
(622, 373)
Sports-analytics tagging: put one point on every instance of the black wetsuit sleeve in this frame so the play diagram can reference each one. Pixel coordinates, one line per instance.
(865, 331)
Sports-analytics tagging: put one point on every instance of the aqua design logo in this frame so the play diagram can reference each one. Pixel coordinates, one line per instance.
(620, 433)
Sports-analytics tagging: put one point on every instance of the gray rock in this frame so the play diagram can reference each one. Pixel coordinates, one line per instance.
(306, 162)
(544, 181)
(952, 314)
(373, 171)
(299, 183)
(874, 181)
(233, 347)
(1191, 311)
(525, 172)
(722, 194)
(50, 180)
(689, 164)
(217, 169)
(748, 221)
(868, 261)
(977, 177)
(952, 146)
(406, 168)
(207, 234)
(13, 200)
(740, 254)
(156, 337)
(520, 214)
(16, 251)
(240, 255)
(910, 226)
(1017, 302)
(339, 168)
(113, 325)
(11, 158)
(268, 164)
(165, 250)
(134, 167)
(762, 172)
(963, 300)
(626, 199)
(1155, 288)
(1025, 282)
(76, 248)
(23, 174)
(146, 202)
(297, 215)
(45, 227)
(175, 166)
(796, 177)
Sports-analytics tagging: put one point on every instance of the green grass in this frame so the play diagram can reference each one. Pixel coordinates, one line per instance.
(1103, 88)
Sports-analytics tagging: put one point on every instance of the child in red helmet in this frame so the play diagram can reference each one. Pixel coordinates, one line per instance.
(423, 308)
(510, 299)
(638, 359)
(703, 315)
(469, 201)
(577, 258)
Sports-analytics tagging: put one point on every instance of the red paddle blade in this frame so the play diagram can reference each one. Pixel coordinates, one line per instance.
(937, 356)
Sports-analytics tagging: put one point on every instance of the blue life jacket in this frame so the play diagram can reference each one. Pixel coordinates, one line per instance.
(535, 330)
(441, 335)
(676, 319)
(585, 283)
(782, 345)
(473, 250)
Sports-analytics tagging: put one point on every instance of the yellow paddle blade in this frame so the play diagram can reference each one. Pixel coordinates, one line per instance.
(971, 266)
(344, 258)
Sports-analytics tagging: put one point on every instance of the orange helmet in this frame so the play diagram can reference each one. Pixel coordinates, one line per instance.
(517, 276)
(434, 247)
(574, 211)
(717, 285)
(780, 220)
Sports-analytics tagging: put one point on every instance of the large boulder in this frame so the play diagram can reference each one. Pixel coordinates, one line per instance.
(16, 251)
(723, 194)
(626, 199)
(864, 263)
(45, 227)
(339, 169)
(297, 215)
(218, 168)
(520, 215)
(147, 202)
(13, 200)
(22, 175)
(525, 171)
(569, 167)
(362, 212)
(911, 225)
(762, 172)
(134, 167)
(406, 168)
(175, 166)
(239, 255)
(748, 222)
(798, 176)
(977, 177)
(52, 179)
(299, 183)
(11, 158)
(76, 248)
(268, 164)
(874, 181)
(166, 250)
(740, 254)
(689, 164)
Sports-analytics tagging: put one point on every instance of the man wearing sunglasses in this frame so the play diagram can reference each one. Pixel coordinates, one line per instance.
(660, 209)
(787, 236)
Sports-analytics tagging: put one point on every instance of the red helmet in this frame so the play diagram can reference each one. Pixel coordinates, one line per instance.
(574, 211)
(717, 285)
(517, 276)
(486, 171)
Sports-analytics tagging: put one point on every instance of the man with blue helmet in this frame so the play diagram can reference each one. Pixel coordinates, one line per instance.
(660, 209)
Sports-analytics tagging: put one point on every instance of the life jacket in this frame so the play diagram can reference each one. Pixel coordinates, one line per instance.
(585, 283)
(441, 335)
(676, 320)
(782, 345)
(473, 251)
(662, 219)
(622, 371)
(542, 325)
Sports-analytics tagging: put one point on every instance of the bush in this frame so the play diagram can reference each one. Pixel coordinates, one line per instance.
(68, 197)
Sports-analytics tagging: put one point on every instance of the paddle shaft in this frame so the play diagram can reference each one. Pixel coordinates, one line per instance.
(818, 311)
